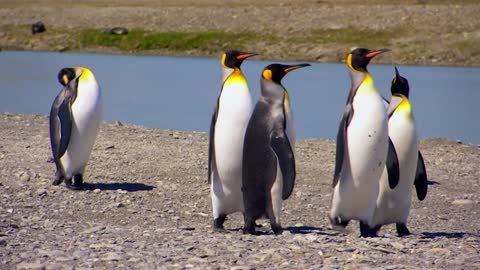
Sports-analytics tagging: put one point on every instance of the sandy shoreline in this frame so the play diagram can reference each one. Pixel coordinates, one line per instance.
(151, 209)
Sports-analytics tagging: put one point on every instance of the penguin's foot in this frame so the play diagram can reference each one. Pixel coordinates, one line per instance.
(58, 179)
(365, 230)
(249, 227)
(277, 229)
(337, 221)
(374, 231)
(218, 223)
(78, 180)
(69, 185)
(402, 230)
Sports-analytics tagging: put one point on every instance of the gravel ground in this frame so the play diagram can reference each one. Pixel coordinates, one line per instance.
(150, 209)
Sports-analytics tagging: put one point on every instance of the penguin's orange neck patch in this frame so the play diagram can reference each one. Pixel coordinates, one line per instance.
(404, 108)
(236, 77)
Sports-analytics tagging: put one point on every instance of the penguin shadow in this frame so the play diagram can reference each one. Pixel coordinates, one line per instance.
(433, 235)
(309, 230)
(432, 182)
(129, 187)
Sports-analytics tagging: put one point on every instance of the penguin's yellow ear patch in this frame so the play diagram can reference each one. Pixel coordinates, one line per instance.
(65, 79)
(349, 61)
(267, 74)
(224, 56)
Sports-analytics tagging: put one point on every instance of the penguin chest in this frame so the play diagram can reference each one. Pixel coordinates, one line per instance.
(234, 111)
(87, 116)
(367, 140)
(394, 204)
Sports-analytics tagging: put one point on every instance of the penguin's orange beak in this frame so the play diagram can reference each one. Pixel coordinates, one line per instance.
(376, 52)
(290, 68)
(246, 55)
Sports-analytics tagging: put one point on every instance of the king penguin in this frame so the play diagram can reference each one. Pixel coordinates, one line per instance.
(393, 205)
(268, 155)
(75, 118)
(227, 131)
(362, 147)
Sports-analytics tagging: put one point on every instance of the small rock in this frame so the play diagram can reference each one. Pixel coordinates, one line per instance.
(41, 192)
(11, 210)
(94, 229)
(31, 266)
(110, 147)
(97, 190)
(439, 251)
(111, 256)
(118, 123)
(462, 202)
(24, 176)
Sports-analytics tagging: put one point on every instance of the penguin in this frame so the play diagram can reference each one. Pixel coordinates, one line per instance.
(393, 205)
(362, 149)
(268, 174)
(227, 130)
(75, 118)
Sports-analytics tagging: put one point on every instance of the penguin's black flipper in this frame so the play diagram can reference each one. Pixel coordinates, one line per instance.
(211, 143)
(341, 142)
(421, 180)
(61, 122)
(392, 164)
(283, 150)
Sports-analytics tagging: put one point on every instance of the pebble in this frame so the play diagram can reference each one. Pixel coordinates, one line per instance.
(30, 266)
(111, 256)
(41, 192)
(440, 251)
(462, 202)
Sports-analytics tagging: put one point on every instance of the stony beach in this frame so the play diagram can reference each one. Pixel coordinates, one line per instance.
(149, 208)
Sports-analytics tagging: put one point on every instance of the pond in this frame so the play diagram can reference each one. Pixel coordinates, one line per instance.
(180, 92)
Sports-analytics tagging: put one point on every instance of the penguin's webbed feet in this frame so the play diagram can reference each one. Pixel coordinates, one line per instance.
(276, 228)
(249, 227)
(338, 221)
(366, 231)
(218, 223)
(402, 230)
(77, 183)
(58, 178)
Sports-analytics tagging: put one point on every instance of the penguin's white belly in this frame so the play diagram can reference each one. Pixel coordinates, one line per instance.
(235, 109)
(393, 206)
(276, 194)
(87, 115)
(367, 143)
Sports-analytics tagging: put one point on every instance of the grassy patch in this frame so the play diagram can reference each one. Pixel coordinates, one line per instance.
(350, 36)
(468, 48)
(176, 41)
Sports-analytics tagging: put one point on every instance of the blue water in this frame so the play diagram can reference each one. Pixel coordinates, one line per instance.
(179, 93)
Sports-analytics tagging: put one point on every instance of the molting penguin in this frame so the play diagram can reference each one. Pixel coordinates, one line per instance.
(362, 147)
(268, 156)
(75, 118)
(227, 131)
(393, 205)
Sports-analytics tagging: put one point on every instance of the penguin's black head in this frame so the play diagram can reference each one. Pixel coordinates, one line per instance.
(65, 75)
(399, 85)
(234, 58)
(359, 58)
(275, 72)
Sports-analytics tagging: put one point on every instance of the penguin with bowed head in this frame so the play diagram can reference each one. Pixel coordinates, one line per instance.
(75, 118)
